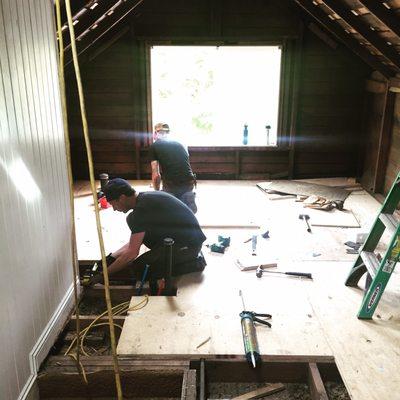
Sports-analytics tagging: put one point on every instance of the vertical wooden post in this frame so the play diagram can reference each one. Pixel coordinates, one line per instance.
(385, 135)
(215, 7)
(137, 97)
(317, 388)
(189, 385)
(297, 61)
(237, 164)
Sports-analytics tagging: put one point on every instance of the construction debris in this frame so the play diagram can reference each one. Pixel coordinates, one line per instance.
(262, 392)
(314, 196)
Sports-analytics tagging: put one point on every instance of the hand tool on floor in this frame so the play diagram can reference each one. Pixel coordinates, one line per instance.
(168, 260)
(264, 235)
(260, 271)
(306, 217)
(247, 320)
(144, 276)
(221, 245)
(254, 245)
(95, 270)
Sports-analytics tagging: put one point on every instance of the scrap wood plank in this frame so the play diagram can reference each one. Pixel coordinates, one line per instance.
(261, 392)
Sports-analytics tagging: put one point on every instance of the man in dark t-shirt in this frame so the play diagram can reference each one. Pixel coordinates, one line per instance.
(155, 216)
(170, 164)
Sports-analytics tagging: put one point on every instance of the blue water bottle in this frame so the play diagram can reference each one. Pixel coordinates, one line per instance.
(245, 134)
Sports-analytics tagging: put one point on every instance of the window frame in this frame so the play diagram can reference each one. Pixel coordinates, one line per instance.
(285, 107)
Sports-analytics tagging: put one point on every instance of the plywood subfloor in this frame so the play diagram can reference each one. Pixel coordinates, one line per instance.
(309, 318)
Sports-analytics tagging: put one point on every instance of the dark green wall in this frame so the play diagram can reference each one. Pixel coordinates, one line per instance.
(326, 115)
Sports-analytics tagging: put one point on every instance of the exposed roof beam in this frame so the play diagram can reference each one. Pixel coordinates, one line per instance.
(394, 84)
(347, 39)
(376, 41)
(92, 36)
(383, 14)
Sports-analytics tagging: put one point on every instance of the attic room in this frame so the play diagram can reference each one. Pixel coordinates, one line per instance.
(286, 116)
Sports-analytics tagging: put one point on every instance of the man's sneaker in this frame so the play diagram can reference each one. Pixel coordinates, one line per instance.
(189, 199)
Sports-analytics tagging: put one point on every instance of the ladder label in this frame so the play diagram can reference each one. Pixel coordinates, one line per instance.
(388, 267)
(374, 296)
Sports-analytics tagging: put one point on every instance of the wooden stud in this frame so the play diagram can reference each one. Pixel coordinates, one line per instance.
(298, 58)
(373, 86)
(394, 85)
(119, 294)
(189, 391)
(237, 164)
(215, 7)
(317, 388)
(347, 39)
(384, 141)
(86, 320)
(202, 389)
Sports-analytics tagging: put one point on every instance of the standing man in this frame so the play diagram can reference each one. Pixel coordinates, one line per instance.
(170, 164)
(154, 217)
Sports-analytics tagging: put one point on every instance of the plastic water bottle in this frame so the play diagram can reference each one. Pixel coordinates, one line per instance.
(245, 134)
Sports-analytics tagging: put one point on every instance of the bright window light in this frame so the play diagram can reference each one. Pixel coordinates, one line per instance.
(209, 94)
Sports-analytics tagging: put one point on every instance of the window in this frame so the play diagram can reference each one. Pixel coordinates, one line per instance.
(217, 96)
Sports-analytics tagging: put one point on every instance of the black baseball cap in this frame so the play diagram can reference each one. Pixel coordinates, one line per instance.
(117, 187)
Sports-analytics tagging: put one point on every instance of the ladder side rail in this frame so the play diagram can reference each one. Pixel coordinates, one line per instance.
(379, 282)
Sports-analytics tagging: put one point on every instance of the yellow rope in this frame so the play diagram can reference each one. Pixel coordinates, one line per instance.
(94, 194)
(69, 169)
(117, 310)
(81, 369)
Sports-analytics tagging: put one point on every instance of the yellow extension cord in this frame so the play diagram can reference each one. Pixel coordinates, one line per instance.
(119, 309)
(80, 336)
(75, 269)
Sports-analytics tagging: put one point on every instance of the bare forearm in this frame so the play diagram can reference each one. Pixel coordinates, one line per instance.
(120, 263)
(156, 180)
(120, 251)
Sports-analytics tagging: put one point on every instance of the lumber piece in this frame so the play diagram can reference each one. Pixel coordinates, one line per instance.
(86, 320)
(261, 392)
(119, 293)
(317, 388)
(189, 385)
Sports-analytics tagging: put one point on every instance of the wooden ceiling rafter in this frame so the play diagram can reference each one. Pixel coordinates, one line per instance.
(101, 18)
(347, 15)
(104, 24)
(385, 15)
(313, 8)
(91, 5)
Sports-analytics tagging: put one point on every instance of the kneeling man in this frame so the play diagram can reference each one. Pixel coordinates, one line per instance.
(155, 216)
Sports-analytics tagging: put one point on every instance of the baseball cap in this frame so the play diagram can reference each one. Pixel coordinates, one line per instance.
(161, 127)
(117, 187)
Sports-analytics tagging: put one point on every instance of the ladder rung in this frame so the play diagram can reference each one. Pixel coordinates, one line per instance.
(370, 261)
(390, 222)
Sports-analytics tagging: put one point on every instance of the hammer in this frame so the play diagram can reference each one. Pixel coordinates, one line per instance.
(306, 218)
(260, 271)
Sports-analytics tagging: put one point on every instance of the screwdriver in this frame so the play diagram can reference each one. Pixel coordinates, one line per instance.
(260, 271)
(250, 342)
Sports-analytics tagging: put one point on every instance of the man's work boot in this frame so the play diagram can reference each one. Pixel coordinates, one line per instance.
(189, 199)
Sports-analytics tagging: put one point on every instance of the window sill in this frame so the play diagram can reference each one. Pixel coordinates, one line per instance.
(238, 148)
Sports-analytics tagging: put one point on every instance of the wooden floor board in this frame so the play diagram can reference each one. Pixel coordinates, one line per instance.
(315, 318)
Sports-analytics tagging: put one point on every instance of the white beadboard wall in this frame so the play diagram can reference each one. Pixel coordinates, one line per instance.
(35, 250)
